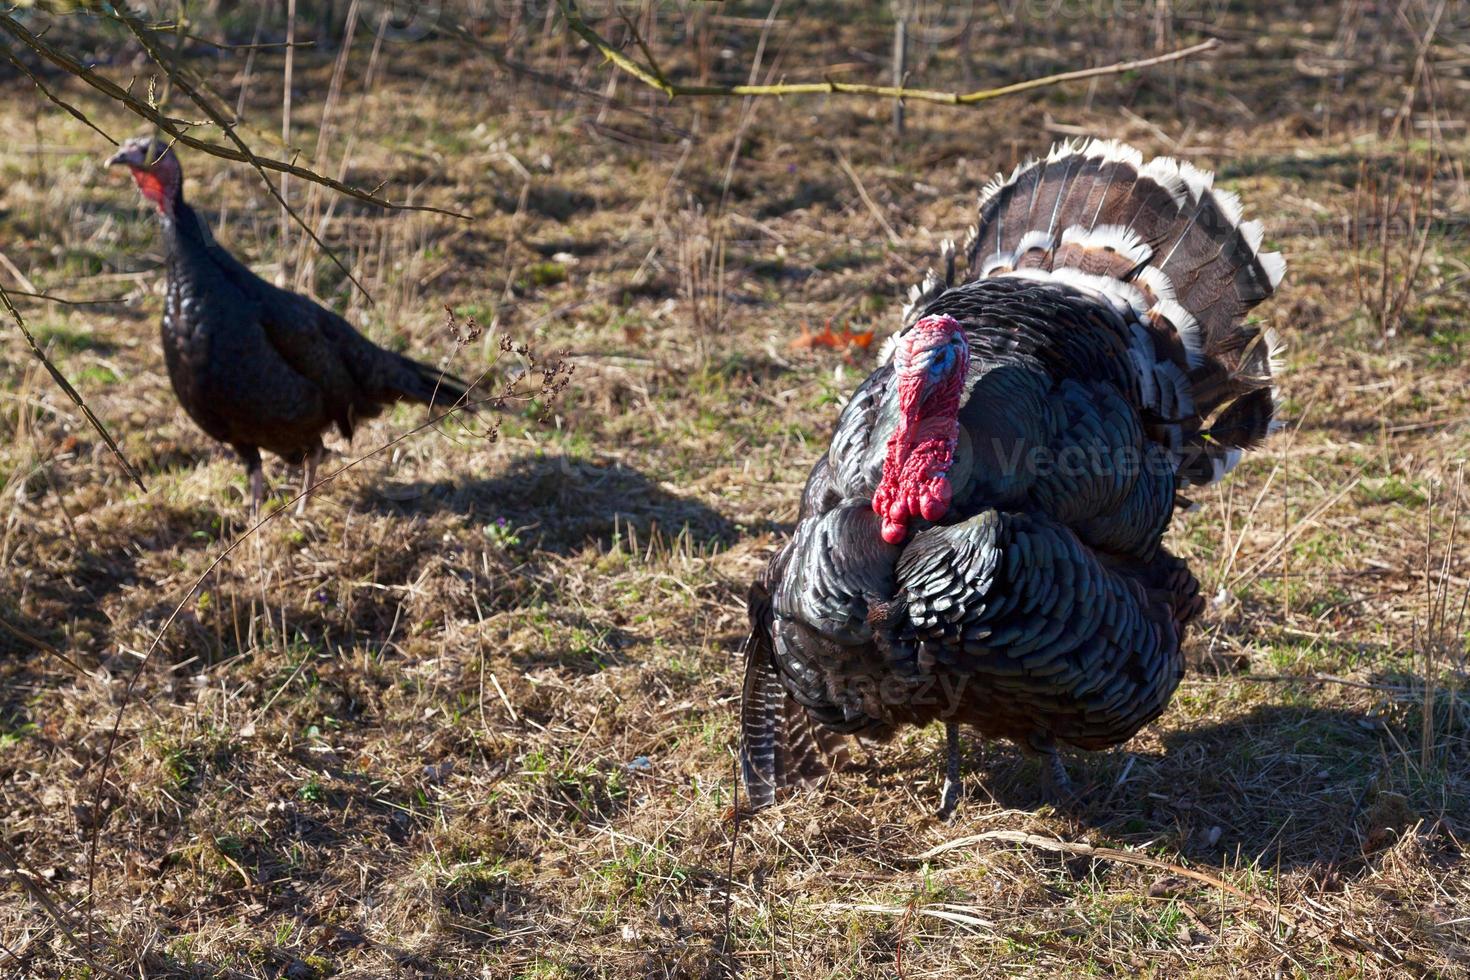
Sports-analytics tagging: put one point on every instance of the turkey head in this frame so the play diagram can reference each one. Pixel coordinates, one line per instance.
(154, 168)
(931, 360)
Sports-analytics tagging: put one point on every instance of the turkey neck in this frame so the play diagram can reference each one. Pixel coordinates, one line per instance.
(182, 228)
(195, 260)
(203, 300)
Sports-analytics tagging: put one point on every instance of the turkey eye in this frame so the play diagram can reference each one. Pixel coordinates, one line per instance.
(940, 363)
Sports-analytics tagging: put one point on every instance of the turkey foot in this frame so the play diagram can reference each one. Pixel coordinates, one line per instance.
(949, 797)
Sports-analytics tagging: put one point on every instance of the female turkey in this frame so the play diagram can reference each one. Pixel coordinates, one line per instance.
(981, 542)
(256, 366)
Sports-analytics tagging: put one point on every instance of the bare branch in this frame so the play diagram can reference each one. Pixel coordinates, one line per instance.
(65, 301)
(71, 392)
(652, 76)
(460, 34)
(176, 129)
(176, 75)
(57, 100)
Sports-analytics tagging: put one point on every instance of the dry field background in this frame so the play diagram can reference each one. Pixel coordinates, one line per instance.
(473, 715)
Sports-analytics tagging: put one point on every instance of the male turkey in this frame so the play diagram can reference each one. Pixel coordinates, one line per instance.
(258, 367)
(981, 542)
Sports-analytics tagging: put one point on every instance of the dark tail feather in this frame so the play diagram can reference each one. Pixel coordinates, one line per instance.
(437, 389)
(1160, 239)
(760, 723)
(779, 745)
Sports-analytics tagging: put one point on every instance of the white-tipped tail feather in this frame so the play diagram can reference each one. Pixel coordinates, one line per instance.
(1160, 244)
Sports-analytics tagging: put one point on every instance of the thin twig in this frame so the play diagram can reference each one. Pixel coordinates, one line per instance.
(165, 61)
(68, 302)
(41, 645)
(59, 102)
(652, 77)
(642, 46)
(252, 46)
(459, 33)
(857, 183)
(71, 392)
(27, 879)
(176, 129)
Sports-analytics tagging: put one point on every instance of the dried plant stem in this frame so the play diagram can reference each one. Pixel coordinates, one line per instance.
(1387, 283)
(1437, 634)
(287, 78)
(868, 202)
(28, 880)
(1334, 933)
(1423, 70)
(318, 213)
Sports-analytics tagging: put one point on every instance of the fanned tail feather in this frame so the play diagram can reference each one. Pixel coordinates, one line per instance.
(1158, 241)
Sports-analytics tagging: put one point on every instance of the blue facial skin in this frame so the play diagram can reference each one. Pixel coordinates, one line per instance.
(942, 360)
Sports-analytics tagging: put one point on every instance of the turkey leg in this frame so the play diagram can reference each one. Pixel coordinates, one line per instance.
(308, 478)
(255, 476)
(1056, 785)
(950, 796)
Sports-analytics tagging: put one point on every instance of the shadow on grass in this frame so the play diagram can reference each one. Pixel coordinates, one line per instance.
(548, 201)
(554, 505)
(539, 507)
(1284, 786)
(563, 504)
(24, 660)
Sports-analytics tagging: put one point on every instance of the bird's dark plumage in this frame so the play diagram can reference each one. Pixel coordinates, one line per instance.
(1104, 364)
(256, 366)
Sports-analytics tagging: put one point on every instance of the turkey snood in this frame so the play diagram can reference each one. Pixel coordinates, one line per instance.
(931, 362)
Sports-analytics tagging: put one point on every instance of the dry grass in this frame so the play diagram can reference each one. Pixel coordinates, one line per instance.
(473, 715)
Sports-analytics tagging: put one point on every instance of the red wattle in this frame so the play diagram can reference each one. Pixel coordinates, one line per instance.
(154, 188)
(934, 504)
(920, 451)
(895, 532)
